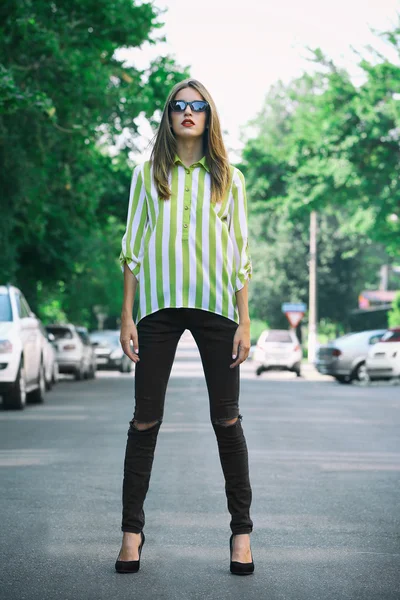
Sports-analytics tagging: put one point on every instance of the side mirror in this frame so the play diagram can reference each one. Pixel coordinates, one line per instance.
(51, 337)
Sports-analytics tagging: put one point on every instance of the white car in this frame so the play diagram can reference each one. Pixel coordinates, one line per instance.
(22, 369)
(90, 355)
(383, 360)
(278, 349)
(49, 358)
(73, 356)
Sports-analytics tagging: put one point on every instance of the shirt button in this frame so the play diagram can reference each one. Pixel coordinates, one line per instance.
(187, 171)
(187, 189)
(186, 207)
(185, 225)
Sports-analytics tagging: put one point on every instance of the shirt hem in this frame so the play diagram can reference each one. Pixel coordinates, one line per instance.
(216, 312)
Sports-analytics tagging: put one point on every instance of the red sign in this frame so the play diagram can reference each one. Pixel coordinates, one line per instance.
(294, 317)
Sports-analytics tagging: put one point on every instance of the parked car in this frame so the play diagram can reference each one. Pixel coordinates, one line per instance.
(90, 355)
(383, 360)
(344, 358)
(49, 357)
(72, 355)
(109, 351)
(278, 349)
(22, 371)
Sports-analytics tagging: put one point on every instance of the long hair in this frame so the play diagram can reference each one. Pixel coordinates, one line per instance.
(165, 146)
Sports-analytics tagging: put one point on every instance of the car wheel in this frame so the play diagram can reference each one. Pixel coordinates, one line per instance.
(49, 382)
(54, 375)
(79, 373)
(360, 373)
(126, 366)
(37, 396)
(343, 378)
(297, 369)
(15, 399)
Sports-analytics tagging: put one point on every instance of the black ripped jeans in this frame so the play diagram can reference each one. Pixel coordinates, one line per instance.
(159, 334)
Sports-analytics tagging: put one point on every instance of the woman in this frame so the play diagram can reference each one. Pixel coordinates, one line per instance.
(185, 253)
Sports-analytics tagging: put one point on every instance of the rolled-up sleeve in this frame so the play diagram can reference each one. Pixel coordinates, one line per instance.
(133, 240)
(238, 230)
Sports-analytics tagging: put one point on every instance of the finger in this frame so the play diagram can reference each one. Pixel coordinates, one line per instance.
(243, 353)
(236, 354)
(126, 347)
(235, 348)
(135, 341)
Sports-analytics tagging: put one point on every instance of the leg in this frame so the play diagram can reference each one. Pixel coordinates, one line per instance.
(214, 337)
(159, 335)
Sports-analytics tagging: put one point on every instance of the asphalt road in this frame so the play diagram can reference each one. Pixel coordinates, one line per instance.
(325, 466)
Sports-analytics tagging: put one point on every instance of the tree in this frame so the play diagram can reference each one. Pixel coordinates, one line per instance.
(64, 99)
(280, 253)
(322, 142)
(394, 314)
(318, 146)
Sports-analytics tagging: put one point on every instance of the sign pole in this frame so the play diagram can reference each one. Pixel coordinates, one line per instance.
(312, 315)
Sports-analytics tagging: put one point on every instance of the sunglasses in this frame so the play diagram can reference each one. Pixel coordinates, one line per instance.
(196, 106)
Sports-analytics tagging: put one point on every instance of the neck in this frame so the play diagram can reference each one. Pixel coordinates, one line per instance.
(190, 151)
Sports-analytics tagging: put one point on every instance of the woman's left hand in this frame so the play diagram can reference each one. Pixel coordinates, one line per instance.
(241, 344)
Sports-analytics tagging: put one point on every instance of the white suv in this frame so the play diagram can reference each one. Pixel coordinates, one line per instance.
(278, 349)
(74, 354)
(21, 357)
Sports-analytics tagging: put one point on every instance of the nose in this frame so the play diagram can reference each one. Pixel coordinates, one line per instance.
(188, 110)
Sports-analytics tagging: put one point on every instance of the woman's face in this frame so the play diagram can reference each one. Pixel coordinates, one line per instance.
(188, 124)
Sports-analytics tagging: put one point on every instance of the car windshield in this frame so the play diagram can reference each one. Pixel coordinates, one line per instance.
(105, 339)
(84, 336)
(60, 332)
(5, 308)
(391, 336)
(278, 336)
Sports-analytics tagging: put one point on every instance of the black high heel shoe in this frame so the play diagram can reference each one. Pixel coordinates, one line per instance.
(238, 568)
(130, 566)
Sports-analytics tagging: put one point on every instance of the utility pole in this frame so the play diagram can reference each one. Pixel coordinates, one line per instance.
(312, 312)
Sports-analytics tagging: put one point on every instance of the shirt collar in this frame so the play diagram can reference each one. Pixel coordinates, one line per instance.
(202, 162)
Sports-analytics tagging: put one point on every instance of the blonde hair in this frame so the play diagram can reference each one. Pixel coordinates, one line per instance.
(165, 146)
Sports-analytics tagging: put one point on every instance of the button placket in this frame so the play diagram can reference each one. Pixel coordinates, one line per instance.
(186, 205)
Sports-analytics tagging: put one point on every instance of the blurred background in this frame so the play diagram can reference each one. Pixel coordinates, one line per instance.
(309, 98)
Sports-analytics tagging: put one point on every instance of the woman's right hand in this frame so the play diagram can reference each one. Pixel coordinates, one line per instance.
(128, 333)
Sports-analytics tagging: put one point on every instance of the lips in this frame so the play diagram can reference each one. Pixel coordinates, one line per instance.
(187, 123)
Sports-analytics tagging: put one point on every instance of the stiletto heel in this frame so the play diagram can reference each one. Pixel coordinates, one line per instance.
(238, 568)
(130, 566)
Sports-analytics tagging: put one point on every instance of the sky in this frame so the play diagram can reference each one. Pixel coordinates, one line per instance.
(239, 49)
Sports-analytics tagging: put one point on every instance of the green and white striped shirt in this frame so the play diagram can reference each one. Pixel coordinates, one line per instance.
(186, 251)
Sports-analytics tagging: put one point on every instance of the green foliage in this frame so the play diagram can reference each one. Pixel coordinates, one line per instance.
(324, 143)
(321, 143)
(64, 99)
(280, 254)
(394, 314)
(257, 326)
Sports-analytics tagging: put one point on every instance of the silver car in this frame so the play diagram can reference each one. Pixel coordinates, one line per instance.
(344, 358)
(108, 351)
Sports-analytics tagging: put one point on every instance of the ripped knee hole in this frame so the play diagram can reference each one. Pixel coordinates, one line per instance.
(227, 422)
(143, 426)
